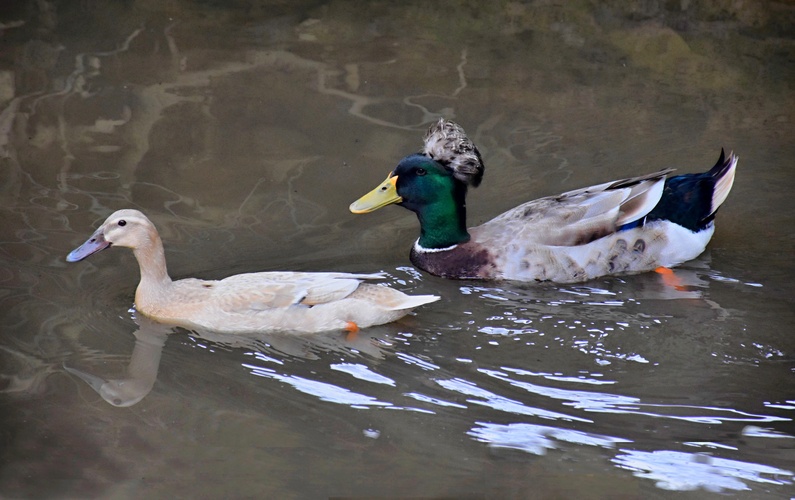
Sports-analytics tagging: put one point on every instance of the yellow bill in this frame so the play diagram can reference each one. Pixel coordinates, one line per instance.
(385, 194)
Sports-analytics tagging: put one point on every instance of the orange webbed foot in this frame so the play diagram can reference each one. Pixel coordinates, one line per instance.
(670, 279)
(352, 329)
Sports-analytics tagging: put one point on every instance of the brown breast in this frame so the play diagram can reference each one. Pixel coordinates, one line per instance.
(468, 260)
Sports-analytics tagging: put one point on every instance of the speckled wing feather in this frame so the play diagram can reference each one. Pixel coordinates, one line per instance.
(576, 217)
(447, 143)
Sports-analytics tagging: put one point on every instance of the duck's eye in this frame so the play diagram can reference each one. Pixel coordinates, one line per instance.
(122, 223)
(421, 171)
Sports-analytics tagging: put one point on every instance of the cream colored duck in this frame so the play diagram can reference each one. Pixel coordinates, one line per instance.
(624, 226)
(254, 302)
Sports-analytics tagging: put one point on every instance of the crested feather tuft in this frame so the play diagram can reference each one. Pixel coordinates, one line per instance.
(447, 143)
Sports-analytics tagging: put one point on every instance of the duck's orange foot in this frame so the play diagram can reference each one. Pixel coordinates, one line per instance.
(670, 279)
(352, 329)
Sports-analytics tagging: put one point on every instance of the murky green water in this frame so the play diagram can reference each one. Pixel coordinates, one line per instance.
(244, 130)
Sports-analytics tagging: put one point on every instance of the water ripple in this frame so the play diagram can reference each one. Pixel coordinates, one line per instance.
(322, 390)
(362, 372)
(536, 439)
(602, 402)
(414, 360)
(502, 403)
(678, 471)
(434, 401)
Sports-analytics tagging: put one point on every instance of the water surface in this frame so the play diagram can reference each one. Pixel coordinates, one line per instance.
(244, 130)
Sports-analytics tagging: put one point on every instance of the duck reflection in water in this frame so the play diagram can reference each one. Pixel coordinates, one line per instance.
(151, 336)
(141, 371)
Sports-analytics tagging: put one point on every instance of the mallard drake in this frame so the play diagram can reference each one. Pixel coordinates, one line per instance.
(624, 226)
(254, 302)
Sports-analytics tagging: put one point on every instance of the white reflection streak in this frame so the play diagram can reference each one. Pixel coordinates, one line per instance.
(536, 439)
(502, 403)
(591, 401)
(498, 330)
(602, 402)
(435, 401)
(760, 432)
(362, 372)
(324, 391)
(709, 444)
(559, 378)
(679, 471)
(263, 357)
(413, 360)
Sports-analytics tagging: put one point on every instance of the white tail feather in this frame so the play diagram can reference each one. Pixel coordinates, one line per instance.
(412, 301)
(724, 184)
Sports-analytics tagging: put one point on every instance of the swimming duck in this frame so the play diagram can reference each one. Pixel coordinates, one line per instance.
(254, 302)
(624, 226)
